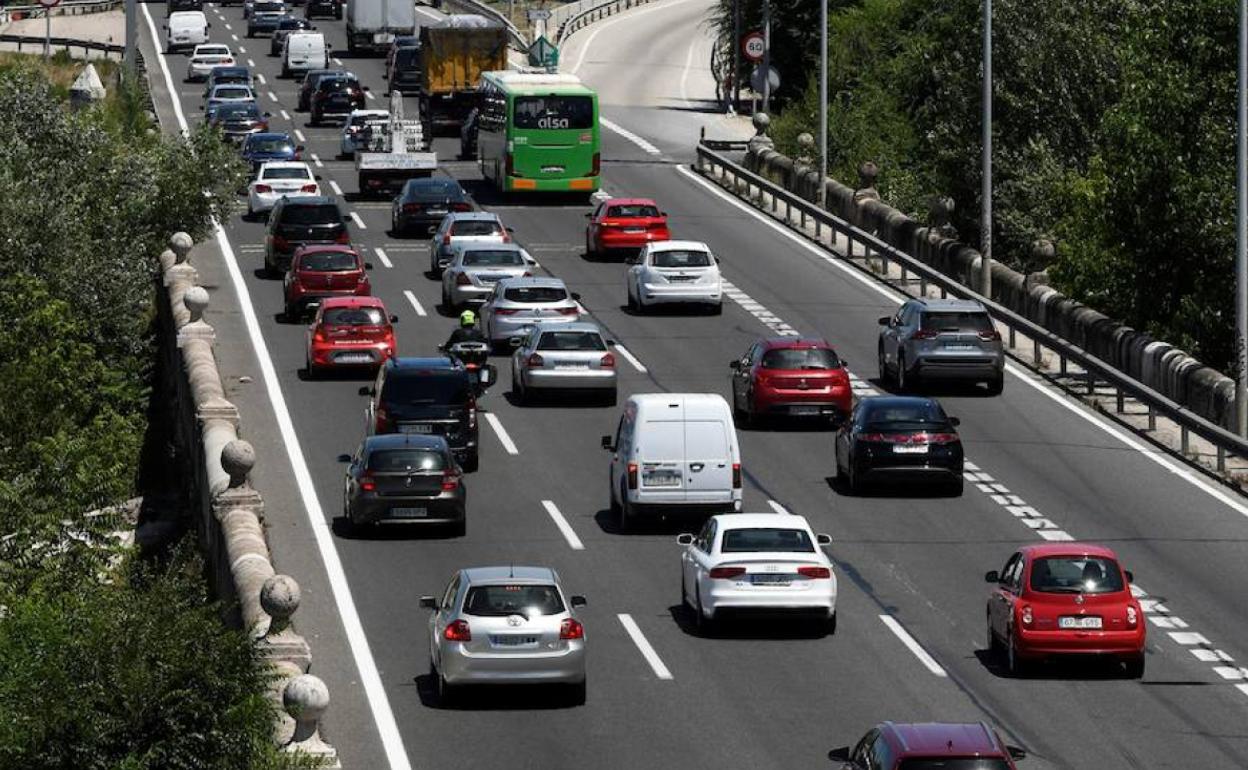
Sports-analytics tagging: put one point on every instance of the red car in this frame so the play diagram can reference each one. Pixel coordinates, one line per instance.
(624, 223)
(1064, 599)
(897, 746)
(323, 270)
(790, 376)
(350, 332)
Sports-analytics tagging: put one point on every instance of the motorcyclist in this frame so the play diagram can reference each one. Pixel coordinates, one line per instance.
(467, 331)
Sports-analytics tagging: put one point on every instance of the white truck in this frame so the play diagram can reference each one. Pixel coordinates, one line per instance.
(373, 24)
(392, 152)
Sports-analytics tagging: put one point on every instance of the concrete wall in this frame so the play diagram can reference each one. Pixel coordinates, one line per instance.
(1159, 365)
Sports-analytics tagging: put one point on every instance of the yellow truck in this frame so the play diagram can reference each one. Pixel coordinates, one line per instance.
(453, 54)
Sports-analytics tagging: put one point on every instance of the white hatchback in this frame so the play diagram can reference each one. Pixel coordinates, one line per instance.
(280, 179)
(675, 272)
(769, 562)
(207, 56)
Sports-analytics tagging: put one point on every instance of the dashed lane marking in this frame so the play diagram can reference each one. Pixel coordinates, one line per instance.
(912, 644)
(251, 63)
(358, 222)
(501, 432)
(299, 135)
(629, 357)
(242, 50)
(285, 115)
(564, 527)
(334, 186)
(260, 79)
(272, 96)
(337, 61)
(227, 26)
(382, 256)
(768, 318)
(419, 308)
(644, 647)
(317, 160)
(778, 508)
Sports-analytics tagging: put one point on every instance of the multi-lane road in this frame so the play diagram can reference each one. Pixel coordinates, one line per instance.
(910, 640)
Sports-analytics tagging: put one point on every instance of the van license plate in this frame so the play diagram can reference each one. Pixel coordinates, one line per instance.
(662, 479)
(1084, 621)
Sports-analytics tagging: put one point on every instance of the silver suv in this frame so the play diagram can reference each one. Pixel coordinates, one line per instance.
(941, 339)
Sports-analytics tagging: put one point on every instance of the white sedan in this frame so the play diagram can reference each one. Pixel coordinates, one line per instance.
(757, 562)
(280, 179)
(205, 57)
(675, 272)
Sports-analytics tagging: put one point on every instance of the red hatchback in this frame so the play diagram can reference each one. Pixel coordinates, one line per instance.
(318, 271)
(790, 376)
(624, 223)
(350, 332)
(928, 746)
(1064, 599)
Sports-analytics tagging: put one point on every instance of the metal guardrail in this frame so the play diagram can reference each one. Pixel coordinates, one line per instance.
(746, 183)
(578, 15)
(67, 8)
(64, 42)
(472, 6)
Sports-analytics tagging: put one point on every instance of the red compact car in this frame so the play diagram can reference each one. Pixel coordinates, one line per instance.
(323, 270)
(350, 332)
(624, 223)
(950, 746)
(790, 376)
(1064, 599)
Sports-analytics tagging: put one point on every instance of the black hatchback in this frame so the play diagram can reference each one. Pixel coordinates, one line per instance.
(899, 438)
(308, 85)
(404, 478)
(296, 221)
(332, 8)
(422, 204)
(426, 396)
(335, 97)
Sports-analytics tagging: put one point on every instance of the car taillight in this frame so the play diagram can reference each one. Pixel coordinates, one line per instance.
(607, 361)
(457, 631)
(381, 421)
(527, 274)
(505, 311)
(991, 335)
(506, 237)
(308, 188)
(319, 336)
(1026, 615)
(569, 310)
(461, 206)
(264, 188)
(815, 573)
(388, 341)
(940, 438)
(596, 168)
(366, 483)
(343, 237)
(511, 165)
(1132, 616)
(450, 481)
(412, 208)
(736, 475)
(925, 334)
(726, 573)
(571, 628)
(263, 125)
(535, 361)
(632, 475)
(463, 280)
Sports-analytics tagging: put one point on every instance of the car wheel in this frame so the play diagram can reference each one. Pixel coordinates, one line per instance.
(855, 484)
(460, 528)
(448, 694)
(472, 463)
(717, 308)
(883, 367)
(446, 298)
(740, 416)
(830, 626)
(1014, 663)
(517, 388)
(903, 382)
(633, 306)
(994, 644)
(1134, 667)
(842, 477)
(612, 397)
(628, 520)
(996, 385)
(955, 487)
(577, 692)
(700, 620)
(590, 253)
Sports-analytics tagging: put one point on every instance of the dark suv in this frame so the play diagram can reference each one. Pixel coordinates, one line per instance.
(403, 71)
(946, 339)
(335, 97)
(323, 8)
(294, 222)
(429, 396)
(925, 746)
(422, 204)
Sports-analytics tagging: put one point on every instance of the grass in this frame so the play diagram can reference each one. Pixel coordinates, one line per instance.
(123, 107)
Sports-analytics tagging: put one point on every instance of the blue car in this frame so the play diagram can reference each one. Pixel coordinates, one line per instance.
(262, 148)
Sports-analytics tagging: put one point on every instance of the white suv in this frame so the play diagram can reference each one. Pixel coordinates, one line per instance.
(675, 272)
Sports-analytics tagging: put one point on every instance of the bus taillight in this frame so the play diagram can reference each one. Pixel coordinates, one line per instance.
(597, 167)
(511, 165)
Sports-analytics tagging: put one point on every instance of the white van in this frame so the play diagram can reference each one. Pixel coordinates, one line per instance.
(676, 452)
(185, 30)
(303, 51)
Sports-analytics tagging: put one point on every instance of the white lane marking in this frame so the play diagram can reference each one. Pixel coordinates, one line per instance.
(334, 186)
(926, 659)
(383, 716)
(778, 508)
(768, 318)
(227, 25)
(272, 96)
(629, 357)
(285, 114)
(568, 534)
(630, 136)
(299, 135)
(643, 645)
(429, 13)
(337, 61)
(260, 79)
(317, 160)
(684, 75)
(382, 256)
(251, 63)
(419, 308)
(501, 432)
(370, 94)
(242, 50)
(235, 37)
(598, 28)
(358, 222)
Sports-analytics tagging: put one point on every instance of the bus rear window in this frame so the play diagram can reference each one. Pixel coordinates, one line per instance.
(554, 112)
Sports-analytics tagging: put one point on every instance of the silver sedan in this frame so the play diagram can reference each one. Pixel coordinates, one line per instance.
(505, 625)
(518, 304)
(564, 357)
(476, 267)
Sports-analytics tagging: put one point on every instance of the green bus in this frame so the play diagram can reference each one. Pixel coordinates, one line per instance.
(538, 132)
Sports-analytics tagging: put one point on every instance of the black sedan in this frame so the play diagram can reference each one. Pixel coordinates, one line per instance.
(423, 203)
(899, 438)
(285, 26)
(335, 97)
(238, 120)
(308, 85)
(404, 478)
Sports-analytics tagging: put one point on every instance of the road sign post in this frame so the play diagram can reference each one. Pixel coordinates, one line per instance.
(48, 5)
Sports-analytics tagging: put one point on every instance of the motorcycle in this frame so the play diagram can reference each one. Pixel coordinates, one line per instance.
(475, 358)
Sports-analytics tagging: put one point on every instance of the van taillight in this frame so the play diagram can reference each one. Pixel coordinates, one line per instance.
(632, 475)
(736, 475)
(596, 169)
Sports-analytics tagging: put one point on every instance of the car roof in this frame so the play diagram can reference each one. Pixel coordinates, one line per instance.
(629, 202)
(470, 216)
(963, 305)
(271, 135)
(218, 86)
(1039, 550)
(509, 574)
(217, 72)
(514, 283)
(575, 326)
(759, 520)
(485, 246)
(661, 399)
(404, 440)
(887, 401)
(201, 46)
(368, 113)
(329, 302)
(945, 739)
(309, 200)
(439, 363)
(679, 246)
(431, 181)
(791, 343)
(285, 164)
(323, 247)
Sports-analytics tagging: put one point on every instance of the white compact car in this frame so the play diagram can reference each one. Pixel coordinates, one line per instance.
(280, 179)
(761, 562)
(564, 357)
(207, 56)
(353, 126)
(674, 272)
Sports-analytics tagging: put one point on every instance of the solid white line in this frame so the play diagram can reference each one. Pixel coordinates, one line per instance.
(629, 357)
(778, 508)
(684, 75)
(630, 136)
(419, 308)
(334, 186)
(285, 114)
(382, 256)
(607, 25)
(501, 432)
(912, 645)
(391, 740)
(643, 645)
(317, 160)
(563, 525)
(356, 218)
(299, 135)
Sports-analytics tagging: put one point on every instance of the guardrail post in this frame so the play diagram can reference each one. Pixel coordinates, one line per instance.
(1013, 337)
(1091, 383)
(922, 286)
(1035, 351)
(1062, 365)
(1183, 440)
(1152, 418)
(1221, 459)
(1120, 401)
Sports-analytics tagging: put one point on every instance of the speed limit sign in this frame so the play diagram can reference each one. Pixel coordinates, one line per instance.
(754, 46)
(49, 3)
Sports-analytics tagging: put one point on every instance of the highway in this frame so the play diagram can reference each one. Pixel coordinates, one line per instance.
(763, 696)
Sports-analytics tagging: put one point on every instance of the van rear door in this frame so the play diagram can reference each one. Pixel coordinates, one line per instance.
(708, 462)
(661, 453)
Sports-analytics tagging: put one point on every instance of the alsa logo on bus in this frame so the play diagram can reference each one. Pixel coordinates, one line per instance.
(550, 121)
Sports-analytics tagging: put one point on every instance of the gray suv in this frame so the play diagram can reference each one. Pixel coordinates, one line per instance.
(941, 339)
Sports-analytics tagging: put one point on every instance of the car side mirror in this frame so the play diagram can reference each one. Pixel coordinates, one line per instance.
(823, 539)
(444, 263)
(429, 602)
(954, 421)
(1130, 575)
(368, 265)
(300, 148)
(317, 177)
(612, 343)
(734, 364)
(685, 539)
(718, 261)
(530, 261)
(268, 114)
(510, 229)
(577, 601)
(884, 320)
(515, 342)
(589, 216)
(839, 754)
(394, 319)
(576, 296)
(365, 88)
(607, 444)
(1016, 753)
(366, 390)
(992, 576)
(344, 458)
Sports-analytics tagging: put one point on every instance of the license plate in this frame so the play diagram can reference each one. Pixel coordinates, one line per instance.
(409, 513)
(416, 429)
(634, 229)
(769, 580)
(383, 37)
(360, 358)
(681, 278)
(435, 211)
(512, 641)
(804, 410)
(959, 347)
(661, 479)
(571, 366)
(910, 449)
(1082, 621)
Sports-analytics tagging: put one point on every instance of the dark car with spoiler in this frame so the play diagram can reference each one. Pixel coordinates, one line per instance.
(426, 396)
(295, 222)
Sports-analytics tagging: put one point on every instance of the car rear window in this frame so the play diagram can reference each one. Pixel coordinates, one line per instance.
(232, 92)
(329, 85)
(801, 358)
(213, 50)
(571, 341)
(231, 77)
(407, 58)
(554, 112)
(311, 215)
(426, 388)
(678, 259)
(270, 145)
(392, 460)
(287, 172)
(492, 257)
(269, 8)
(766, 540)
(901, 415)
(238, 111)
(947, 763)
(530, 294)
(500, 601)
(433, 192)
(1075, 575)
(632, 211)
(353, 316)
(329, 262)
(957, 321)
(476, 227)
